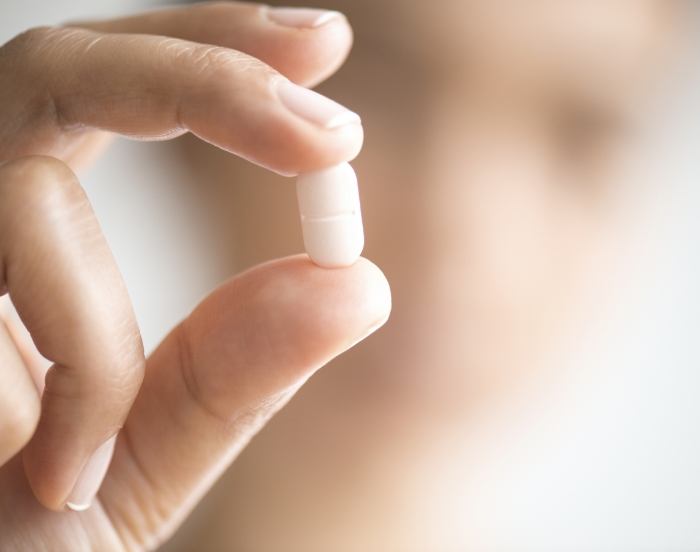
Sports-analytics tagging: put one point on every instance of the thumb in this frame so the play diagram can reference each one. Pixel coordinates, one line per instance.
(222, 373)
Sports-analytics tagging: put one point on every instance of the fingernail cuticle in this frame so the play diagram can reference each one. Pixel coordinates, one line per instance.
(301, 18)
(91, 476)
(314, 107)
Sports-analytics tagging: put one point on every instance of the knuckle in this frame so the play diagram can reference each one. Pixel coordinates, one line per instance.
(40, 181)
(189, 377)
(38, 192)
(217, 61)
(30, 39)
(38, 167)
(117, 387)
(124, 369)
(33, 41)
(30, 59)
(108, 392)
(132, 368)
(26, 52)
(116, 345)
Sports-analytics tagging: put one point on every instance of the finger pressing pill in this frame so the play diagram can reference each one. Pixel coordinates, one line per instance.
(331, 221)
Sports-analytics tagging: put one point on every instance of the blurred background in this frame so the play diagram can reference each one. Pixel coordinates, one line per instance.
(530, 187)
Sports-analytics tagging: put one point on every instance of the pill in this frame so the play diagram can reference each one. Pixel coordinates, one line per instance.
(331, 221)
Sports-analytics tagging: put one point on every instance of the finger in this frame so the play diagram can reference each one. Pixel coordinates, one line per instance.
(152, 87)
(306, 45)
(36, 365)
(85, 149)
(19, 399)
(69, 294)
(223, 372)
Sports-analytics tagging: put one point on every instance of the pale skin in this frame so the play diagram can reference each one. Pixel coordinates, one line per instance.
(184, 413)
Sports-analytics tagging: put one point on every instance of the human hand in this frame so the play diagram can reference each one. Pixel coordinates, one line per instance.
(176, 420)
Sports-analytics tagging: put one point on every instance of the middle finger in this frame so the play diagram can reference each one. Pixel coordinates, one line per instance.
(305, 45)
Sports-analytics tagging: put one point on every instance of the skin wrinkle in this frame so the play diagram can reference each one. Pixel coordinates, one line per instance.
(72, 43)
(231, 423)
(239, 429)
(188, 376)
(94, 42)
(26, 202)
(68, 203)
(70, 115)
(53, 201)
(207, 59)
(248, 422)
(151, 509)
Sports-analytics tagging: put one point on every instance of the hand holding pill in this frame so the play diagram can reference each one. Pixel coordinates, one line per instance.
(80, 404)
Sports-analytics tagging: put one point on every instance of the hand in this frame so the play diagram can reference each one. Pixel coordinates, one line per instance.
(172, 423)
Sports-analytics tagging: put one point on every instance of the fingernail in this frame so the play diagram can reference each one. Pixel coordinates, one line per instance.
(91, 477)
(369, 331)
(301, 18)
(314, 107)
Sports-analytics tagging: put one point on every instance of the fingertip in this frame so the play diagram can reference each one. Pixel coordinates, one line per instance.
(343, 144)
(306, 146)
(244, 107)
(321, 53)
(380, 287)
(306, 45)
(292, 316)
(369, 290)
(341, 306)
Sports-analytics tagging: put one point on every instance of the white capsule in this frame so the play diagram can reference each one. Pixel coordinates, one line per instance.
(329, 207)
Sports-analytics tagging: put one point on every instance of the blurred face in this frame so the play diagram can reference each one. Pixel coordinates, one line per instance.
(496, 171)
(496, 186)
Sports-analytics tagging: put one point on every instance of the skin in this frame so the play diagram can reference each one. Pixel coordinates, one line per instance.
(183, 414)
(496, 199)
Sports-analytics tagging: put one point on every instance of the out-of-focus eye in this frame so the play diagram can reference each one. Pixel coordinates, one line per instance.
(589, 137)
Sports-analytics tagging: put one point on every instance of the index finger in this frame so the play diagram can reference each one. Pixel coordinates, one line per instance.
(152, 87)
